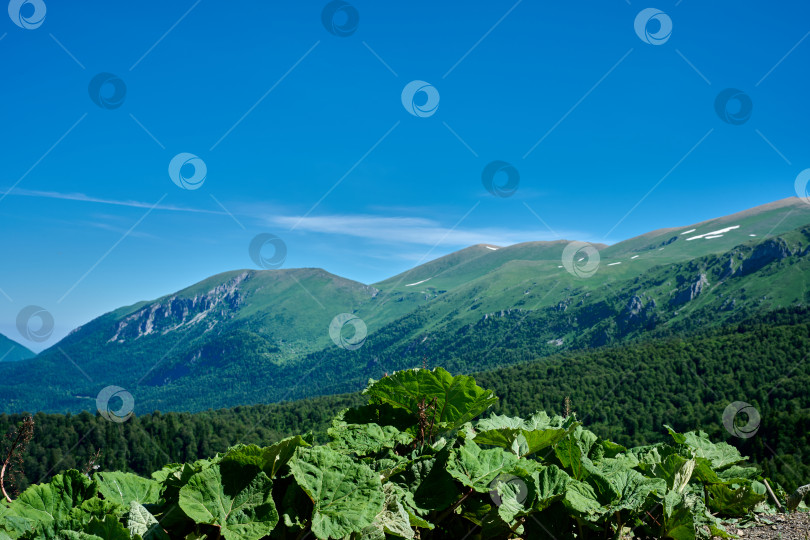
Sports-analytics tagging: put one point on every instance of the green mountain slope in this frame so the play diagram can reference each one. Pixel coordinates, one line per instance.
(624, 392)
(11, 351)
(257, 336)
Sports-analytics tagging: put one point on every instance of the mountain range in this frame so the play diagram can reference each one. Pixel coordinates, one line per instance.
(252, 336)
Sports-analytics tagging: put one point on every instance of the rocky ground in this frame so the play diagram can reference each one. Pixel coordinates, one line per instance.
(795, 526)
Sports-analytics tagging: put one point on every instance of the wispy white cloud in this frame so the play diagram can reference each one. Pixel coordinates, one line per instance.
(409, 230)
(118, 230)
(81, 197)
(402, 230)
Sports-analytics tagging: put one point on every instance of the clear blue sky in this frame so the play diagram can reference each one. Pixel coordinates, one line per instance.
(613, 115)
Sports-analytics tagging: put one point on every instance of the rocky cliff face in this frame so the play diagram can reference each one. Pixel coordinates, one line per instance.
(765, 253)
(638, 314)
(691, 292)
(174, 313)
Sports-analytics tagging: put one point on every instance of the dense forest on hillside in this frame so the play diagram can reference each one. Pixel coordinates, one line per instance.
(423, 458)
(625, 393)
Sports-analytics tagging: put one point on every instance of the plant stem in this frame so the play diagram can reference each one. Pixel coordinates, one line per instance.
(518, 524)
(455, 505)
(301, 534)
(773, 496)
(6, 461)
(2, 476)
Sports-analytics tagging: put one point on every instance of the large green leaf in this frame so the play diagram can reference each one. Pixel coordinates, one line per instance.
(382, 414)
(346, 495)
(122, 488)
(538, 421)
(269, 459)
(581, 499)
(679, 525)
(477, 468)
(737, 474)
(95, 507)
(365, 439)
(633, 489)
(77, 535)
(108, 528)
(580, 447)
(520, 441)
(721, 455)
(458, 399)
(732, 502)
(43, 504)
(511, 495)
(394, 519)
(179, 473)
(232, 497)
(675, 469)
(141, 522)
(550, 485)
(429, 485)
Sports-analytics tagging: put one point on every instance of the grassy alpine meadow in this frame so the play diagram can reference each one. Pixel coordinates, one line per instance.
(423, 459)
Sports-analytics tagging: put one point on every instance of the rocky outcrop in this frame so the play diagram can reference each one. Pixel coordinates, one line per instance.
(657, 246)
(727, 270)
(637, 314)
(668, 242)
(634, 307)
(502, 313)
(691, 292)
(175, 312)
(774, 249)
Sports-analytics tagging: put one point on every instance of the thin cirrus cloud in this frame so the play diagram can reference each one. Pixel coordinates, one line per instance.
(414, 231)
(81, 197)
(407, 230)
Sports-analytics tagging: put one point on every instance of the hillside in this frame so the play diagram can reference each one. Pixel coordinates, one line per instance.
(625, 393)
(263, 336)
(11, 351)
(423, 457)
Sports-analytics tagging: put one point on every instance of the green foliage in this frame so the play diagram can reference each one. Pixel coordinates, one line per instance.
(237, 500)
(498, 478)
(346, 495)
(123, 488)
(456, 399)
(625, 394)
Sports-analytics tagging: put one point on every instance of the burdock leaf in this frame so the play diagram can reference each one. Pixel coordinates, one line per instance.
(269, 459)
(123, 488)
(346, 495)
(141, 522)
(239, 502)
(457, 399)
(477, 468)
(43, 504)
(365, 439)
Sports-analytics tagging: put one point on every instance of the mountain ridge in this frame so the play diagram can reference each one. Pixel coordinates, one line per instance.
(259, 334)
(11, 351)
(767, 207)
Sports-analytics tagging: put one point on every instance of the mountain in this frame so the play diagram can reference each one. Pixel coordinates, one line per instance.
(252, 336)
(627, 393)
(11, 351)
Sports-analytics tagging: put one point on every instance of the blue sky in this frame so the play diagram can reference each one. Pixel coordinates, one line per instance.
(304, 135)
